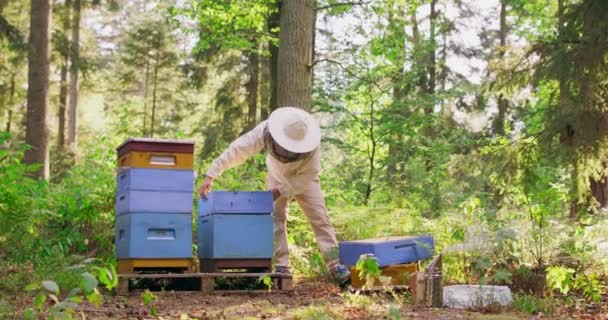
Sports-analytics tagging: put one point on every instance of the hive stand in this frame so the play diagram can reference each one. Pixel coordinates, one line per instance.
(280, 282)
(140, 268)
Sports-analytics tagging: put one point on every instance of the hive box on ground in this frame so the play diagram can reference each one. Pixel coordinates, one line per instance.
(156, 153)
(235, 225)
(145, 179)
(399, 275)
(388, 250)
(154, 201)
(153, 235)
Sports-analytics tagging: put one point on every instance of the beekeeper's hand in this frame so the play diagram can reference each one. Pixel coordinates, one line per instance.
(275, 194)
(206, 187)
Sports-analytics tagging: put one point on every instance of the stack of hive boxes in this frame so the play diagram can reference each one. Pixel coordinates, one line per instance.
(235, 231)
(155, 183)
(397, 256)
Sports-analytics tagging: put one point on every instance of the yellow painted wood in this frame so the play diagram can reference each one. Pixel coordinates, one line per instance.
(129, 265)
(158, 160)
(399, 275)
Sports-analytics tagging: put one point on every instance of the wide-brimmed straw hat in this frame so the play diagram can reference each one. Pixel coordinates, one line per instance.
(294, 129)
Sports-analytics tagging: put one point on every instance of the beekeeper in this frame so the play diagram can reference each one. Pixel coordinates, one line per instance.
(291, 136)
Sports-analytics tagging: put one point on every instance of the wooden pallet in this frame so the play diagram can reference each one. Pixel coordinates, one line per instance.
(281, 282)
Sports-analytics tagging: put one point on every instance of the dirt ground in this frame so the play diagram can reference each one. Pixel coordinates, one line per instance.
(309, 300)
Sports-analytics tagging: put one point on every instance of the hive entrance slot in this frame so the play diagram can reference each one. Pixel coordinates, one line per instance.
(162, 160)
(161, 234)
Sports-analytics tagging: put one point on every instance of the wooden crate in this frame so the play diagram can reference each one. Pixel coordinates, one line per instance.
(138, 266)
(399, 275)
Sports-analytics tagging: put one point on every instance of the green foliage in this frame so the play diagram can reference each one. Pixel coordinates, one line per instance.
(531, 304)
(368, 268)
(63, 305)
(560, 278)
(267, 281)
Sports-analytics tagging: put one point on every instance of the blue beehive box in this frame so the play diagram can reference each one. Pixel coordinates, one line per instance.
(388, 251)
(154, 201)
(235, 225)
(153, 235)
(146, 179)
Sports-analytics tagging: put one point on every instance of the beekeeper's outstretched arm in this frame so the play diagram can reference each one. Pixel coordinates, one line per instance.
(239, 150)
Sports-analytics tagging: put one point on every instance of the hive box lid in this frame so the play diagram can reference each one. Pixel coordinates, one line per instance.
(236, 202)
(155, 145)
(388, 250)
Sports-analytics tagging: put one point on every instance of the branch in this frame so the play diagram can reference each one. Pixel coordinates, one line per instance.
(341, 4)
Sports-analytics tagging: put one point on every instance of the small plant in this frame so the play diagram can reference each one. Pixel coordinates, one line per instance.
(267, 281)
(532, 304)
(368, 269)
(66, 308)
(149, 299)
(560, 278)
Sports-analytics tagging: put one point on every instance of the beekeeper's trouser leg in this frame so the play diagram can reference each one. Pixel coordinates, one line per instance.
(313, 205)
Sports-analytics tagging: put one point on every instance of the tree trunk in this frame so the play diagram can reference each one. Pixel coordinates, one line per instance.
(503, 104)
(11, 103)
(74, 66)
(146, 85)
(264, 89)
(273, 62)
(63, 85)
(432, 58)
(397, 29)
(63, 97)
(38, 87)
(253, 68)
(155, 85)
(295, 58)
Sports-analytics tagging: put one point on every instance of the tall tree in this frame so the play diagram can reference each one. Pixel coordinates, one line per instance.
(253, 71)
(503, 104)
(38, 86)
(294, 84)
(74, 66)
(64, 46)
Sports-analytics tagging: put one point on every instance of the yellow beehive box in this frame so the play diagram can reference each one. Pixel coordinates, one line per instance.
(158, 160)
(399, 275)
(156, 153)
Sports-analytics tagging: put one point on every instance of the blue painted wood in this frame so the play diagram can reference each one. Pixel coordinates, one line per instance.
(247, 202)
(389, 250)
(235, 236)
(154, 201)
(153, 235)
(147, 179)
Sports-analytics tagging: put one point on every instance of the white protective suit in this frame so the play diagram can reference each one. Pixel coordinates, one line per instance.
(299, 180)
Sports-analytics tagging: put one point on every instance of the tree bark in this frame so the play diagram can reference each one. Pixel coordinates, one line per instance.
(503, 104)
(253, 69)
(295, 54)
(74, 66)
(38, 87)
